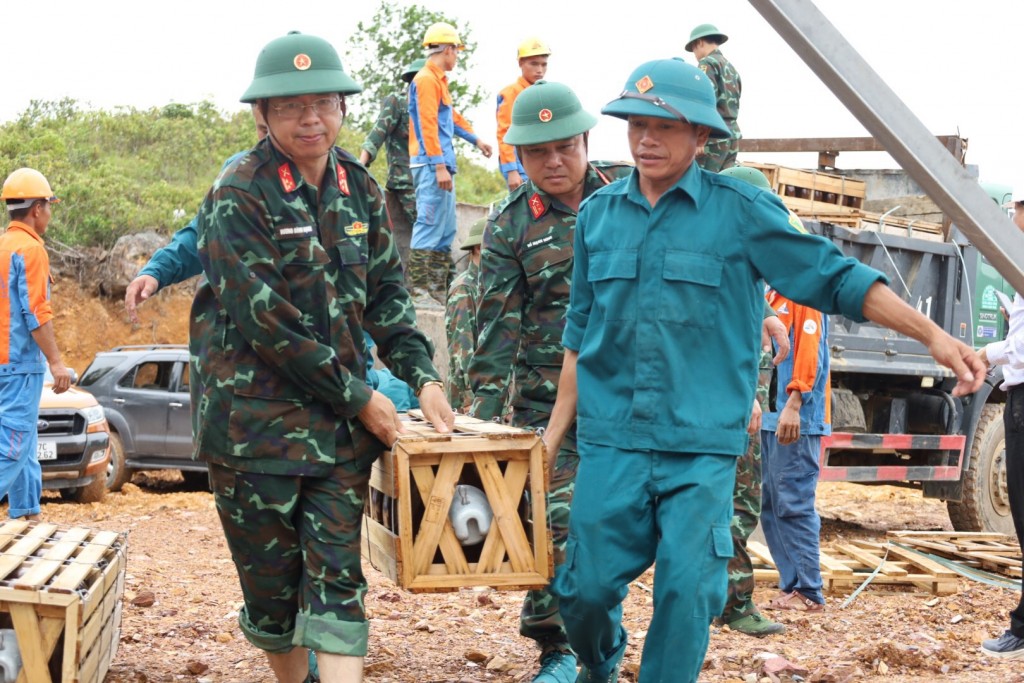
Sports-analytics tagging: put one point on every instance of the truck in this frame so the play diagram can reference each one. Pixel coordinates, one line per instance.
(894, 418)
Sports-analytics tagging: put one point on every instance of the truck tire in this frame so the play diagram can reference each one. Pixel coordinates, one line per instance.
(93, 492)
(118, 473)
(985, 505)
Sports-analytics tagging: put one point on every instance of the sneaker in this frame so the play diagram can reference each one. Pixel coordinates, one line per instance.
(1006, 646)
(793, 601)
(586, 677)
(556, 667)
(756, 625)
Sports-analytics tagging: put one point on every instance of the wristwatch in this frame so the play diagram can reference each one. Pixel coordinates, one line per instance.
(428, 383)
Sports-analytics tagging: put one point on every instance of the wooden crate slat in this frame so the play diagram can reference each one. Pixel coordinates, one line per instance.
(437, 503)
(505, 506)
(52, 560)
(493, 553)
(451, 549)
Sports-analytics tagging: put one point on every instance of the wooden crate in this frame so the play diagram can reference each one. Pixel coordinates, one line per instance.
(811, 193)
(68, 582)
(989, 551)
(406, 531)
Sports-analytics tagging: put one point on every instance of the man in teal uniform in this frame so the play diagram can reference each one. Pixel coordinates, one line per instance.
(524, 279)
(661, 356)
(299, 260)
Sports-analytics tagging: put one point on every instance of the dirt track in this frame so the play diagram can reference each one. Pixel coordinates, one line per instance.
(189, 633)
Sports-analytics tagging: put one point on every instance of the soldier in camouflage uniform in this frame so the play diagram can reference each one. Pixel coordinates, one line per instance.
(719, 154)
(525, 272)
(460, 320)
(392, 132)
(294, 241)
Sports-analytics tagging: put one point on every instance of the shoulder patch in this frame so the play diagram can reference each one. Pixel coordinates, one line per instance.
(284, 173)
(536, 206)
(703, 67)
(343, 181)
(810, 327)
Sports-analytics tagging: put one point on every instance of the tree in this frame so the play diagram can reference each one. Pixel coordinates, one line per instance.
(386, 44)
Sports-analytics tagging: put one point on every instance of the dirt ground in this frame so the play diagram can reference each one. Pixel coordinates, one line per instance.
(188, 631)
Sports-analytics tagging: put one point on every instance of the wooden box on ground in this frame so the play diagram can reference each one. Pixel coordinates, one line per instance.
(407, 534)
(59, 581)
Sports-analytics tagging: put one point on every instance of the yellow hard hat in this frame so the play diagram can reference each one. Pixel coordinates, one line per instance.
(531, 47)
(25, 186)
(442, 34)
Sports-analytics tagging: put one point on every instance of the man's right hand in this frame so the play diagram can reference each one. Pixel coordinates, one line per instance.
(444, 178)
(139, 289)
(381, 418)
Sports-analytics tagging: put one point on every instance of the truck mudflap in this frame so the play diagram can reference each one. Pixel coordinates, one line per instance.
(948, 449)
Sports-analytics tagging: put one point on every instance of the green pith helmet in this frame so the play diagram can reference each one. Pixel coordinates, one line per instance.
(413, 69)
(705, 31)
(668, 89)
(748, 175)
(298, 64)
(475, 236)
(546, 112)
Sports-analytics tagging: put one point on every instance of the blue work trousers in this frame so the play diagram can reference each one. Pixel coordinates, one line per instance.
(632, 509)
(791, 525)
(21, 478)
(434, 228)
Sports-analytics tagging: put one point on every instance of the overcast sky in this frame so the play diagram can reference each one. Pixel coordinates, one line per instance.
(953, 63)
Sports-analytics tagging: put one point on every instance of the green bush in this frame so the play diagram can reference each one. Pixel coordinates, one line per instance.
(128, 170)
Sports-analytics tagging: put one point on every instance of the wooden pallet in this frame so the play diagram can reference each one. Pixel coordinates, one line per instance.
(407, 534)
(814, 190)
(845, 566)
(54, 582)
(993, 552)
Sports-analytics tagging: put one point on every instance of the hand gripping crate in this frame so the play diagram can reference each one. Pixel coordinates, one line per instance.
(407, 534)
(56, 582)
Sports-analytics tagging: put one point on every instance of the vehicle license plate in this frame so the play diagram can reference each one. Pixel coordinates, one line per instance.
(47, 450)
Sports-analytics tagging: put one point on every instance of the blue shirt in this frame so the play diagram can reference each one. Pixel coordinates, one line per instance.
(179, 260)
(667, 303)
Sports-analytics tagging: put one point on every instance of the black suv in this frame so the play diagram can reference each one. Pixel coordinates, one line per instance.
(144, 393)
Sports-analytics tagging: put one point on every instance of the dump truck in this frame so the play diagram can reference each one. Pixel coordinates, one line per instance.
(894, 418)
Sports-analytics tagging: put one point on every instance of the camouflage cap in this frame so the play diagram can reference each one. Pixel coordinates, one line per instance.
(475, 236)
(298, 64)
(546, 112)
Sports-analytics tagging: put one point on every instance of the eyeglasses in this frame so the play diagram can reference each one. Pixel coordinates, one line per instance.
(294, 110)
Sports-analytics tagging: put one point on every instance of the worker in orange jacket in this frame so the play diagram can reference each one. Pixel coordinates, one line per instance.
(433, 125)
(533, 62)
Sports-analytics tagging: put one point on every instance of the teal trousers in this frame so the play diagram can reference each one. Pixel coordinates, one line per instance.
(632, 509)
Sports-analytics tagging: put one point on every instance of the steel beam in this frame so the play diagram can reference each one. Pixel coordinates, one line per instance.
(952, 143)
(831, 57)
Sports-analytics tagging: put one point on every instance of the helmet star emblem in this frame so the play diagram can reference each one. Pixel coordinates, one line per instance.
(302, 61)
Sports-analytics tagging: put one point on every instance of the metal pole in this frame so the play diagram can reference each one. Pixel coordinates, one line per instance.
(813, 37)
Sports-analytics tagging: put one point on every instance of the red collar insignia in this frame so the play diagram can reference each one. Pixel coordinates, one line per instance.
(284, 172)
(343, 181)
(536, 206)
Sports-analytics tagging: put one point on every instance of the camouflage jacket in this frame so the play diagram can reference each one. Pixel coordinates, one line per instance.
(277, 329)
(727, 88)
(460, 320)
(525, 273)
(392, 132)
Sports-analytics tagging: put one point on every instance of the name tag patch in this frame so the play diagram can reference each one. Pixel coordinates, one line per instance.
(540, 242)
(292, 232)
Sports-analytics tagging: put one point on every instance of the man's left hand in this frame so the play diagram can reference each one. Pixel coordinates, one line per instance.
(968, 367)
(435, 408)
(754, 426)
(484, 147)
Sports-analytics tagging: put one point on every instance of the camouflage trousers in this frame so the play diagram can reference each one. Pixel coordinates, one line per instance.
(402, 209)
(719, 155)
(539, 619)
(746, 505)
(295, 545)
